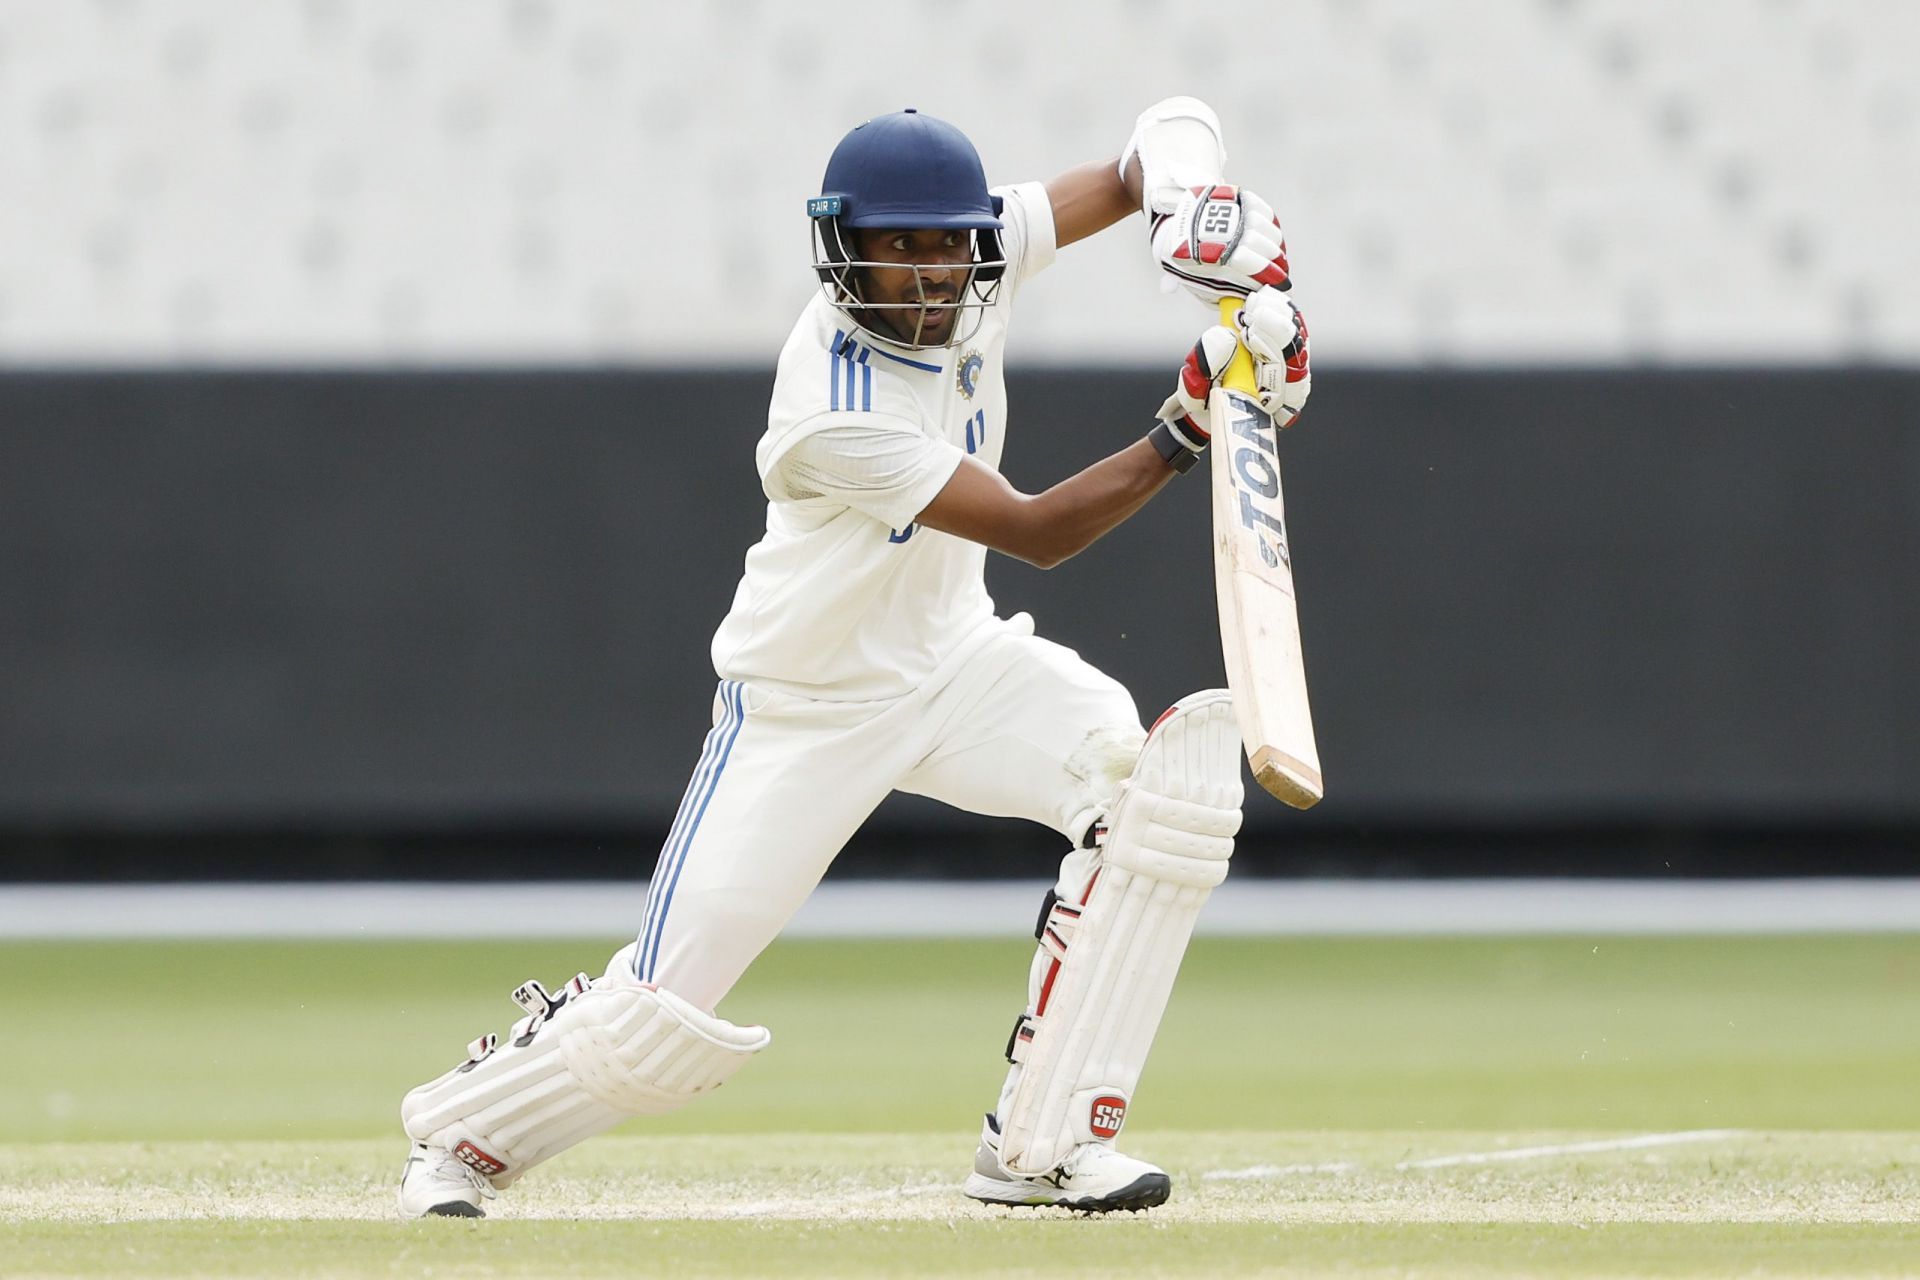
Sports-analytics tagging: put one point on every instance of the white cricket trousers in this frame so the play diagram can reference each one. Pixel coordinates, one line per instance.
(1011, 726)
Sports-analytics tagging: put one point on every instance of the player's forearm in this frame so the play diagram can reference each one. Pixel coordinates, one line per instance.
(1071, 516)
(1091, 198)
(1132, 181)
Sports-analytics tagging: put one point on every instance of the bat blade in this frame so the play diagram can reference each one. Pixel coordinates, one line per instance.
(1253, 579)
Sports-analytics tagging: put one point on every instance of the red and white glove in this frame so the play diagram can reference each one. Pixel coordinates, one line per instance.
(1221, 241)
(1181, 434)
(1275, 333)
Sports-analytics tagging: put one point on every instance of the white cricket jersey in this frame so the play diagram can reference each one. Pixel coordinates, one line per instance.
(845, 598)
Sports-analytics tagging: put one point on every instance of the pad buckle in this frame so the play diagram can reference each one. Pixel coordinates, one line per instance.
(479, 1050)
(533, 997)
(1056, 932)
(541, 1007)
(1018, 1042)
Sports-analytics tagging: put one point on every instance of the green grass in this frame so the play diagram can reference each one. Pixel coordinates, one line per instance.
(629, 1249)
(247, 1040)
(230, 1108)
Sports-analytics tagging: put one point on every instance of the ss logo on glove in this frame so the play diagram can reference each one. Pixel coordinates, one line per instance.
(1220, 241)
(1218, 217)
(1216, 231)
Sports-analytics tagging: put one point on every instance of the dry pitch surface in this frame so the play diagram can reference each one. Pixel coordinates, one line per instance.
(1441, 1204)
(1543, 1107)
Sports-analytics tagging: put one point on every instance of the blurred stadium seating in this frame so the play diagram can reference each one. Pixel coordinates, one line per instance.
(221, 181)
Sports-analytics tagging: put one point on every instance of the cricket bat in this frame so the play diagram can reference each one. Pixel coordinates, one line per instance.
(1253, 577)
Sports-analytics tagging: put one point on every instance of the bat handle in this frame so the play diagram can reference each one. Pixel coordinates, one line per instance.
(1239, 374)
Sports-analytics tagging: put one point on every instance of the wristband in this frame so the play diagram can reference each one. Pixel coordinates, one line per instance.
(1176, 454)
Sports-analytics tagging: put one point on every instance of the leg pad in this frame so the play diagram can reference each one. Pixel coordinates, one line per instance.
(1106, 965)
(577, 1065)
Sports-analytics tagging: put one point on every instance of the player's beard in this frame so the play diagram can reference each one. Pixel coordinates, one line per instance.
(910, 324)
(909, 319)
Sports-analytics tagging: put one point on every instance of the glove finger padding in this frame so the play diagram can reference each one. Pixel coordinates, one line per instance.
(1185, 411)
(1275, 332)
(1222, 241)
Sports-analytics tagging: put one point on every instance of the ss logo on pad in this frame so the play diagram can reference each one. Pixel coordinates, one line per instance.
(1107, 1114)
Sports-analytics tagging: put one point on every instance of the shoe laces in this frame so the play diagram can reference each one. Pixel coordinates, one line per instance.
(473, 1176)
(1071, 1165)
(480, 1183)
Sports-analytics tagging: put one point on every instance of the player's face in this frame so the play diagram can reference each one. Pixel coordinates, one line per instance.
(934, 268)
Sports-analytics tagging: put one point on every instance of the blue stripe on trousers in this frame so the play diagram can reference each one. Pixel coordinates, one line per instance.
(693, 801)
(689, 803)
(694, 783)
(734, 717)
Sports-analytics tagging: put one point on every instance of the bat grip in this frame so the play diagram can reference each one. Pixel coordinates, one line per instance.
(1239, 374)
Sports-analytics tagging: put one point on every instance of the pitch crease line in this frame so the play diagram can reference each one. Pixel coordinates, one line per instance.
(1635, 1143)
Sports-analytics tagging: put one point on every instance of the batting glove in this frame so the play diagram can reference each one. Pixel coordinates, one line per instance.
(1221, 241)
(1275, 333)
(1181, 434)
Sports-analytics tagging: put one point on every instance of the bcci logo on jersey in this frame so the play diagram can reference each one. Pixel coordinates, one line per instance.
(967, 374)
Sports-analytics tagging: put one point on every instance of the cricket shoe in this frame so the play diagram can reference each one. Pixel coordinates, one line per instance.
(1094, 1178)
(435, 1183)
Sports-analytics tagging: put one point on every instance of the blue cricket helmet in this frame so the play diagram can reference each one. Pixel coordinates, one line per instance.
(910, 172)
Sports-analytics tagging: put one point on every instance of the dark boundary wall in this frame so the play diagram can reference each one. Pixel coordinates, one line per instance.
(453, 623)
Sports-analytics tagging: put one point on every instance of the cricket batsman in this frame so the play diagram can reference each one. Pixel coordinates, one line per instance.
(862, 655)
